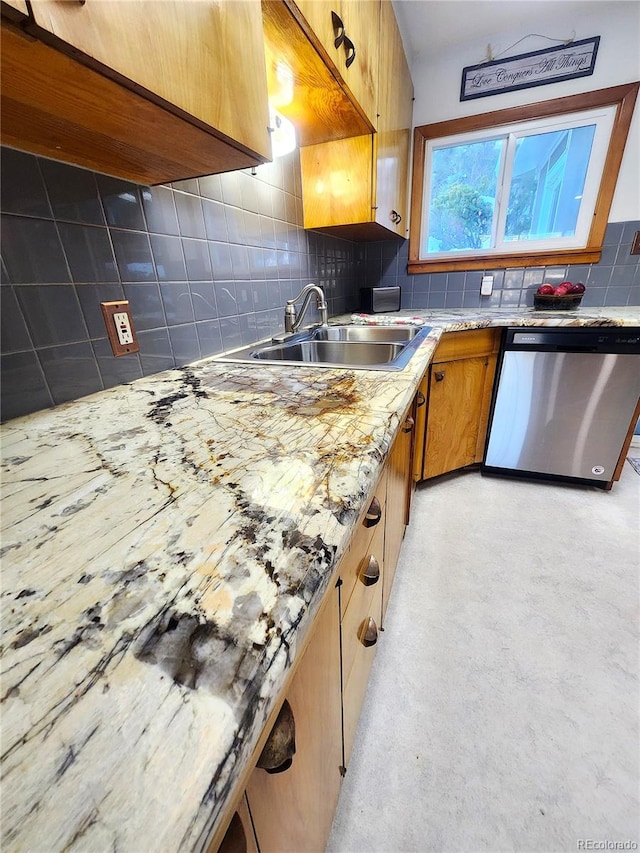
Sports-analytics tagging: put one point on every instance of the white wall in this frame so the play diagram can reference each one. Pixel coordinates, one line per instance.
(437, 76)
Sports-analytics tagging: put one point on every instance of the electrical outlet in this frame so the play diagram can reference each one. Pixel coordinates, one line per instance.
(486, 287)
(122, 335)
(635, 246)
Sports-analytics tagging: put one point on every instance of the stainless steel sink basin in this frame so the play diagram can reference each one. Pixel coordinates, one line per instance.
(350, 353)
(373, 334)
(363, 347)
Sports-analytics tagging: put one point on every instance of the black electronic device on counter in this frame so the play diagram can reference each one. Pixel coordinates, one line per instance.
(379, 300)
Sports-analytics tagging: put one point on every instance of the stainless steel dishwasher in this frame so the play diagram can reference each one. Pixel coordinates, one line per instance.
(563, 403)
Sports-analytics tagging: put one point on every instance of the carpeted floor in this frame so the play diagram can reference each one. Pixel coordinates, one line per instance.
(502, 711)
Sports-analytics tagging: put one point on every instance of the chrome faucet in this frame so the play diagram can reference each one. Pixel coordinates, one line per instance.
(291, 320)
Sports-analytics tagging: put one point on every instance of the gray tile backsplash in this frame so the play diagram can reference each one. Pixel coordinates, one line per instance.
(206, 264)
(613, 281)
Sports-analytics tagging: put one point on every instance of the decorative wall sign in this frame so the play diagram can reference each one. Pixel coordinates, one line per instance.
(537, 68)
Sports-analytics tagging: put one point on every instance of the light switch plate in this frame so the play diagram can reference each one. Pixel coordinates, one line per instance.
(486, 287)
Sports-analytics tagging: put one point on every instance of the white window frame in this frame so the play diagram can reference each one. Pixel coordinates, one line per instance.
(613, 109)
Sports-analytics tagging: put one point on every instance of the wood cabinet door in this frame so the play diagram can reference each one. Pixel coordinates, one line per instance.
(393, 139)
(293, 810)
(203, 59)
(357, 21)
(15, 10)
(458, 397)
(399, 489)
(420, 432)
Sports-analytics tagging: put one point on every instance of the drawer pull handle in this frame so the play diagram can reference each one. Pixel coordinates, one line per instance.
(277, 754)
(408, 425)
(350, 48)
(373, 514)
(421, 400)
(368, 632)
(338, 27)
(440, 374)
(370, 574)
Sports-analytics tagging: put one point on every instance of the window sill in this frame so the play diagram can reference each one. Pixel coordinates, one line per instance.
(416, 266)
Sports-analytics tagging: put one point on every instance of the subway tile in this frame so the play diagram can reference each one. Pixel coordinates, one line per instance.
(235, 224)
(197, 260)
(24, 388)
(239, 262)
(608, 256)
(284, 236)
(406, 296)
(210, 187)
(90, 296)
(594, 297)
(115, 371)
(600, 276)
(209, 337)
(215, 221)
(231, 334)
(184, 343)
(618, 295)
(244, 296)
(510, 298)
(89, 252)
(14, 335)
(624, 256)
(23, 190)
(579, 273)
(73, 193)
(533, 277)
(471, 298)
(203, 300)
(226, 298)
(256, 262)
(71, 371)
(422, 283)
(155, 351)
(455, 282)
(622, 276)
(271, 264)
(422, 299)
(513, 278)
(52, 313)
(145, 304)
(438, 283)
(221, 266)
(133, 255)
(252, 229)
(122, 203)
(189, 185)
(279, 205)
(248, 328)
(190, 216)
(248, 192)
(160, 210)
(168, 257)
(453, 299)
(32, 251)
(629, 230)
(554, 275)
(613, 233)
(231, 189)
(176, 300)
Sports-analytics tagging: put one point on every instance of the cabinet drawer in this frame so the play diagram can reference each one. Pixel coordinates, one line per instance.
(477, 342)
(361, 541)
(355, 681)
(364, 603)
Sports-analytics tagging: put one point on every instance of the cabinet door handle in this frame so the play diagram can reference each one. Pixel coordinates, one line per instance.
(373, 514)
(368, 632)
(350, 48)
(338, 28)
(280, 747)
(370, 574)
(396, 217)
(420, 400)
(440, 374)
(408, 425)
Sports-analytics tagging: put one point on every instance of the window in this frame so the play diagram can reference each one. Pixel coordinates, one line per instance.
(520, 186)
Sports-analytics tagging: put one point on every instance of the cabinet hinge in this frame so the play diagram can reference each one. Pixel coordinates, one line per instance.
(343, 771)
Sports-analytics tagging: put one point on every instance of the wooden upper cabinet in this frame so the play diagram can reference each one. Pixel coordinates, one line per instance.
(15, 10)
(358, 189)
(355, 24)
(393, 139)
(151, 91)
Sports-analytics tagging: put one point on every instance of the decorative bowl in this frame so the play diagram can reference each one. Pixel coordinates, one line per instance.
(565, 302)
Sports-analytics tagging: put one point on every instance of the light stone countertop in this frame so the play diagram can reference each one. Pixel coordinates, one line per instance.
(165, 546)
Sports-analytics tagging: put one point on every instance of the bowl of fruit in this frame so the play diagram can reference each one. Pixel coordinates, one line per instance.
(562, 296)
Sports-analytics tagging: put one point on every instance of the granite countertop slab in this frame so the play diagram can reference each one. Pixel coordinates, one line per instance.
(165, 546)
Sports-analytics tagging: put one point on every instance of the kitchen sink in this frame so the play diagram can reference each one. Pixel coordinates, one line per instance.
(363, 347)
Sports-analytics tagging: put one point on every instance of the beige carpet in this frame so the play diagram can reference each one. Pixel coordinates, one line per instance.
(502, 712)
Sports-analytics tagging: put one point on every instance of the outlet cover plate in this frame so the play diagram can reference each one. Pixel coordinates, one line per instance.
(109, 309)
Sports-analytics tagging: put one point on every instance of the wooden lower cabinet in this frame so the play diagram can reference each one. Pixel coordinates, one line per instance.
(293, 810)
(240, 837)
(460, 383)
